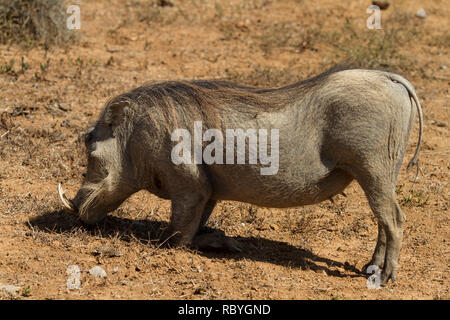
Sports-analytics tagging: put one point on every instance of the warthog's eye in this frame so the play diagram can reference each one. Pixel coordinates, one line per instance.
(88, 136)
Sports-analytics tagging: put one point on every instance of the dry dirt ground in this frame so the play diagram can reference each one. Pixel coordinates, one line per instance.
(48, 98)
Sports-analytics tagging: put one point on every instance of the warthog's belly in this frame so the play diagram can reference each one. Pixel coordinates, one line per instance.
(282, 190)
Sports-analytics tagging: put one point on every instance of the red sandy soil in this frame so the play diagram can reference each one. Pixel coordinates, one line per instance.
(312, 252)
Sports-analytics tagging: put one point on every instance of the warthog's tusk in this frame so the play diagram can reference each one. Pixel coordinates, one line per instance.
(66, 202)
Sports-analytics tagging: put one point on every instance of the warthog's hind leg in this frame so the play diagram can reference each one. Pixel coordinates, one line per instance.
(380, 250)
(380, 192)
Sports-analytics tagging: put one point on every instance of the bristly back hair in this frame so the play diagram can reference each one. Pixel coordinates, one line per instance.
(207, 98)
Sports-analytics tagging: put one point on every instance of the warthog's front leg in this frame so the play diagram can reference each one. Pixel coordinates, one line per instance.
(209, 207)
(207, 239)
(187, 212)
(190, 191)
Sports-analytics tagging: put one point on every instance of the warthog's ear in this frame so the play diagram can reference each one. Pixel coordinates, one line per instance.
(116, 111)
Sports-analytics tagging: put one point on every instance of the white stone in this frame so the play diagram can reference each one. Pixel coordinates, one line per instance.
(421, 14)
(10, 289)
(97, 272)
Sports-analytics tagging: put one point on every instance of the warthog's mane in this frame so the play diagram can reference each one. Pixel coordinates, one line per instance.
(209, 98)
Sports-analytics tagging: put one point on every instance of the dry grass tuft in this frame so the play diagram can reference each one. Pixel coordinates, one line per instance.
(33, 21)
(377, 48)
(292, 36)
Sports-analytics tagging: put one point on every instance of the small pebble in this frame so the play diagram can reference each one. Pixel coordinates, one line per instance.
(97, 272)
(10, 289)
(421, 14)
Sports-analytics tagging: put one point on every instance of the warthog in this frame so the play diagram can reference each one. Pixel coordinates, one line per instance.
(333, 128)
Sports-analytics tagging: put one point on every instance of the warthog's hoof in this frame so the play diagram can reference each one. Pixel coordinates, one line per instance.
(384, 274)
(374, 264)
(215, 241)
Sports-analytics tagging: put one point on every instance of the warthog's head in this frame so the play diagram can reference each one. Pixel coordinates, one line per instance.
(109, 179)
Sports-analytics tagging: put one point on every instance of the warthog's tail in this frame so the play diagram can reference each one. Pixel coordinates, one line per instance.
(412, 94)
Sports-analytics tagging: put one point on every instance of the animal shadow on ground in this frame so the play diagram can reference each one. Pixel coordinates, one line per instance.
(150, 232)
